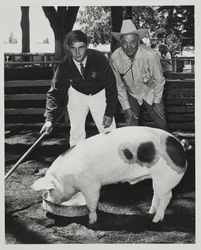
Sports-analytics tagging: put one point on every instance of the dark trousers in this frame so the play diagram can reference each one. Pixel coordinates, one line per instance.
(135, 107)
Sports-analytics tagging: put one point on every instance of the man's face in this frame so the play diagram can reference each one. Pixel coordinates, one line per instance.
(78, 51)
(129, 44)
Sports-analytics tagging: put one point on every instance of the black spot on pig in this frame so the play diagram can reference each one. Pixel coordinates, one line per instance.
(146, 152)
(175, 151)
(107, 132)
(128, 154)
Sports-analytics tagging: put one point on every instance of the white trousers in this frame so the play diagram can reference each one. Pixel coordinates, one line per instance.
(78, 107)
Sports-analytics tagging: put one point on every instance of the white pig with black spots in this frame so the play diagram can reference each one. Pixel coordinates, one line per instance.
(128, 154)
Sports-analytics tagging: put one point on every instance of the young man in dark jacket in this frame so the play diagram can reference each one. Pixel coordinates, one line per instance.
(84, 82)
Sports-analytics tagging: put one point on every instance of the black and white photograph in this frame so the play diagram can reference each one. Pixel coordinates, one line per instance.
(99, 132)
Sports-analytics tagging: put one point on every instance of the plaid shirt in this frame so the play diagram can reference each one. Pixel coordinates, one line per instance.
(129, 76)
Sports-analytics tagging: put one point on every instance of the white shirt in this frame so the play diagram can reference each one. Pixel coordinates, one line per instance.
(129, 76)
(78, 64)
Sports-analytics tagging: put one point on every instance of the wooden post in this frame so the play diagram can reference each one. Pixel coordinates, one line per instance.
(25, 32)
(175, 64)
(117, 17)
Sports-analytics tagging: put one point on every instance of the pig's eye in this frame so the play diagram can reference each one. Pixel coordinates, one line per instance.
(52, 191)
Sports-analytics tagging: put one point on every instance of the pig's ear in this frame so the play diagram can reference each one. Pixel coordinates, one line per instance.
(43, 183)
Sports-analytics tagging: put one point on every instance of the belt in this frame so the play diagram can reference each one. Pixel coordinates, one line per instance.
(87, 92)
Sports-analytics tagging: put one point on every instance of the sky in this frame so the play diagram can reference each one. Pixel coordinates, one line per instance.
(39, 25)
(39, 29)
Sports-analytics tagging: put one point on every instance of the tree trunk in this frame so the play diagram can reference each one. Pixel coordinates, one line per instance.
(61, 22)
(128, 12)
(59, 48)
(25, 31)
(117, 18)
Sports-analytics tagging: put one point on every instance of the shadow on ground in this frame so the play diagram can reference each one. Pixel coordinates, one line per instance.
(122, 212)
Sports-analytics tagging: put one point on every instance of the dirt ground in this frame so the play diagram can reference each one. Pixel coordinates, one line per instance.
(122, 212)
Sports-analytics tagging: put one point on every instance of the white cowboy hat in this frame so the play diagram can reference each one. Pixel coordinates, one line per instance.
(128, 27)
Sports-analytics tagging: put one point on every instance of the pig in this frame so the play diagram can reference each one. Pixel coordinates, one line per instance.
(127, 154)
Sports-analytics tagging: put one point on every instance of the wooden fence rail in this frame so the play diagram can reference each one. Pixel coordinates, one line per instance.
(180, 64)
(25, 103)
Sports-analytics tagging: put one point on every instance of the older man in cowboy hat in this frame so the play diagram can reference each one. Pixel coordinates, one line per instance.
(139, 76)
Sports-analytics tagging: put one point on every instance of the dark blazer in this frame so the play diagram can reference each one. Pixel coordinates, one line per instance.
(98, 75)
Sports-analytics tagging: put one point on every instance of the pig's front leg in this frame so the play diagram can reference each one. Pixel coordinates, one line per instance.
(155, 201)
(91, 194)
(154, 204)
(164, 200)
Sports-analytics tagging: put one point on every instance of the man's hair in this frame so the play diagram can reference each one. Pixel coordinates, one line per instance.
(163, 49)
(122, 35)
(76, 36)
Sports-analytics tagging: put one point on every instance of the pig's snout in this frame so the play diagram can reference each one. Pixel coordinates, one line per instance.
(53, 197)
(42, 184)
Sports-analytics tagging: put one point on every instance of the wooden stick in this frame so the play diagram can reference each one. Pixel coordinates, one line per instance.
(31, 148)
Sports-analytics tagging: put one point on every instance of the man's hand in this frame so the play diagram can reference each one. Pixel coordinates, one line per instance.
(159, 109)
(128, 115)
(107, 121)
(47, 128)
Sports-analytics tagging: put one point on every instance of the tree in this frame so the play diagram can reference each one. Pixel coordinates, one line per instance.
(96, 23)
(174, 44)
(166, 24)
(117, 18)
(189, 22)
(61, 21)
(178, 20)
(128, 12)
(12, 38)
(144, 17)
(25, 29)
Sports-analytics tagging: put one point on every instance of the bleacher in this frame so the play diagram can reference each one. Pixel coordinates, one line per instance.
(27, 97)
(25, 100)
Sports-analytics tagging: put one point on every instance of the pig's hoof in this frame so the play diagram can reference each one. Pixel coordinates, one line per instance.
(157, 218)
(152, 210)
(91, 222)
(92, 218)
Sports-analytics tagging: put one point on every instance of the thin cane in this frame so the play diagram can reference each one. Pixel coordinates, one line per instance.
(31, 148)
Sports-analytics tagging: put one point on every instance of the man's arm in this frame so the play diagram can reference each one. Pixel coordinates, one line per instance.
(108, 78)
(157, 73)
(121, 88)
(56, 95)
